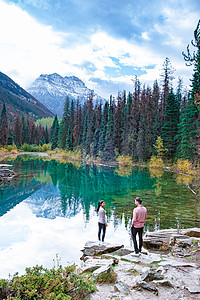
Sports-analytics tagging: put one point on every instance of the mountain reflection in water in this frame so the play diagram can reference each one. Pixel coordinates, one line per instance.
(49, 209)
(53, 189)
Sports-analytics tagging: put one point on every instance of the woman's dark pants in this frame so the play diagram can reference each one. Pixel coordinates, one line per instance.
(134, 232)
(102, 227)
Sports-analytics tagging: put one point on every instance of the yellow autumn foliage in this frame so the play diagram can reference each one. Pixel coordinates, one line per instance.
(156, 162)
(184, 166)
(125, 160)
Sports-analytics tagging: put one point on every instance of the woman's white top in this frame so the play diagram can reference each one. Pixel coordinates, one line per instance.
(102, 216)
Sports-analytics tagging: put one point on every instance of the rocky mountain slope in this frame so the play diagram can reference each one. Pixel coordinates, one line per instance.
(53, 89)
(19, 101)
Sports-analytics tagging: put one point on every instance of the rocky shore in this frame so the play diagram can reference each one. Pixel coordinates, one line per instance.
(6, 174)
(168, 268)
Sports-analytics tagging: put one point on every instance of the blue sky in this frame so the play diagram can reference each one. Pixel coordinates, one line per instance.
(104, 43)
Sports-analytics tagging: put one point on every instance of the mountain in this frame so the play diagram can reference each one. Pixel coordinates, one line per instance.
(53, 89)
(19, 101)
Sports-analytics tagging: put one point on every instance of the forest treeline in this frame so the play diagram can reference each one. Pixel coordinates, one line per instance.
(127, 125)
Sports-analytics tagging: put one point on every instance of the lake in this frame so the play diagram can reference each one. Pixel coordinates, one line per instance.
(48, 213)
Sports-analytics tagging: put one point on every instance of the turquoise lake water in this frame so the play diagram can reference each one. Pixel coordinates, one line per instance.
(49, 209)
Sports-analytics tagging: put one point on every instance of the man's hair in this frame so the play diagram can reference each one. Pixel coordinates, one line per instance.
(138, 199)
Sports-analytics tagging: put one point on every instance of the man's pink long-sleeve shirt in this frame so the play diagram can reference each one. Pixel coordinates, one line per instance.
(139, 216)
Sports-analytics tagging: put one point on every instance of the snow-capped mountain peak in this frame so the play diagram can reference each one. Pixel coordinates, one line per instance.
(52, 89)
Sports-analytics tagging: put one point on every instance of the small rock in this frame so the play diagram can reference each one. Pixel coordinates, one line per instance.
(121, 287)
(150, 275)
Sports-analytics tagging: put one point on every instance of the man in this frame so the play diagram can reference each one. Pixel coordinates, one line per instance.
(139, 217)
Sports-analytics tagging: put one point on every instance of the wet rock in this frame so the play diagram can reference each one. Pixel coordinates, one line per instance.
(150, 275)
(121, 287)
(92, 248)
(101, 270)
(6, 174)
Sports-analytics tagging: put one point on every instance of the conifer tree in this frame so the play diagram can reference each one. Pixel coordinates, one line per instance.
(64, 125)
(3, 127)
(170, 128)
(167, 76)
(54, 133)
(189, 126)
(18, 131)
(109, 153)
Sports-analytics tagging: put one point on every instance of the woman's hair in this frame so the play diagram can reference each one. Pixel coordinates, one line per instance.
(99, 204)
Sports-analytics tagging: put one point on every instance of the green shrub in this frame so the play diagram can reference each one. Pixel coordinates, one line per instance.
(9, 148)
(41, 283)
(26, 147)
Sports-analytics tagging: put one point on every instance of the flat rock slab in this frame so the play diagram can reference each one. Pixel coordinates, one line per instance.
(177, 263)
(164, 239)
(93, 248)
(193, 289)
(144, 259)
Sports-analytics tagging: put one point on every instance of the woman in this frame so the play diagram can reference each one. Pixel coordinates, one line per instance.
(102, 221)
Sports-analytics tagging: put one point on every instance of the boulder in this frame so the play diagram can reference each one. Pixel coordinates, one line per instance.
(163, 282)
(166, 239)
(121, 287)
(101, 270)
(6, 174)
(150, 275)
(93, 248)
(147, 286)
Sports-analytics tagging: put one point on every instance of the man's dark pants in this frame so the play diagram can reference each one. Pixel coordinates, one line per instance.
(134, 232)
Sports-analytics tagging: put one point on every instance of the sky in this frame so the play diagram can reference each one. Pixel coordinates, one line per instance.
(104, 43)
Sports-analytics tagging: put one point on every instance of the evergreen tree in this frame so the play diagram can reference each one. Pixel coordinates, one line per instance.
(190, 123)
(46, 137)
(54, 133)
(109, 153)
(170, 128)
(3, 127)
(188, 131)
(18, 131)
(25, 131)
(64, 125)
(167, 76)
(103, 126)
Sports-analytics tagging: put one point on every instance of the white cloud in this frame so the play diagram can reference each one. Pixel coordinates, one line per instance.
(28, 49)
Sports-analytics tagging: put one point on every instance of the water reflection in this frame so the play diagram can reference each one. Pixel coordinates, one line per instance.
(54, 188)
(50, 208)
